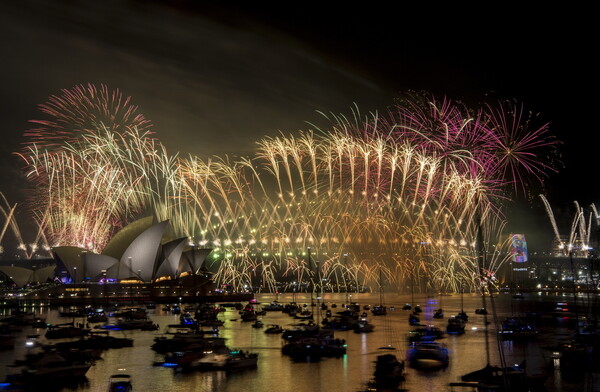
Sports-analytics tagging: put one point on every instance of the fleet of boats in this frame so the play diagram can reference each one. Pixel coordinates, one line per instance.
(189, 346)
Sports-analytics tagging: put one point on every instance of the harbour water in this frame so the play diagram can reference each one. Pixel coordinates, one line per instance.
(277, 372)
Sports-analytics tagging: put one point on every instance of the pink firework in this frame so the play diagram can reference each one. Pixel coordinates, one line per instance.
(496, 144)
(83, 109)
(523, 150)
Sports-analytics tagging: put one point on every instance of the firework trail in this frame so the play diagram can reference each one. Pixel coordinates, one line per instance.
(579, 236)
(27, 251)
(403, 194)
(83, 109)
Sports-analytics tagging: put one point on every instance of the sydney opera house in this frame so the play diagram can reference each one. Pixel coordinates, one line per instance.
(137, 262)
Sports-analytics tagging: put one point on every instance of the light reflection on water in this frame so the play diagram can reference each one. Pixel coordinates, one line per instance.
(276, 372)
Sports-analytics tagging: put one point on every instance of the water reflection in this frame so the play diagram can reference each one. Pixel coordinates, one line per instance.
(276, 372)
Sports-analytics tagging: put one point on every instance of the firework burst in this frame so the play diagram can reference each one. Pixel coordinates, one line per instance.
(403, 195)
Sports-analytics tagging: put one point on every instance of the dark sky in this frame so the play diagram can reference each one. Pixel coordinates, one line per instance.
(200, 72)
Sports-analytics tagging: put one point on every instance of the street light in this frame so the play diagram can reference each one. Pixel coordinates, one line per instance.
(74, 274)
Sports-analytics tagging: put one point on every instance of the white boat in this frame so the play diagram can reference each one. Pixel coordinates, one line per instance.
(236, 359)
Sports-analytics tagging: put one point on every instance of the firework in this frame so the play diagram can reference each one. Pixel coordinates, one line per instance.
(80, 110)
(405, 195)
(39, 246)
(577, 241)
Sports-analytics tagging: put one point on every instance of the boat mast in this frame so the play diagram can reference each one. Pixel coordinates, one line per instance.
(346, 265)
(480, 265)
(412, 290)
(481, 258)
(313, 288)
(380, 288)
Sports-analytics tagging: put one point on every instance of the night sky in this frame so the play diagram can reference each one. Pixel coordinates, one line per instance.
(213, 80)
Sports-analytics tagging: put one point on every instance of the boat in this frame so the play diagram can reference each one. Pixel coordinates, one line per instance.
(379, 310)
(575, 356)
(74, 312)
(97, 317)
(291, 308)
(273, 307)
(388, 374)
(425, 333)
(258, 324)
(185, 342)
(303, 330)
(125, 325)
(428, 356)
(455, 325)
(363, 326)
(52, 367)
(95, 341)
(67, 330)
(249, 315)
(472, 386)
(188, 320)
(232, 360)
(314, 348)
(274, 329)
(438, 314)
(515, 328)
(212, 323)
(181, 359)
(413, 319)
(462, 315)
(120, 383)
(481, 311)
(511, 378)
(304, 315)
(132, 314)
(343, 321)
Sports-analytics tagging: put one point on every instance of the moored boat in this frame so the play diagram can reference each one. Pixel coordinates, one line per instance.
(512, 378)
(413, 319)
(388, 374)
(314, 348)
(428, 356)
(455, 325)
(232, 360)
(363, 326)
(120, 383)
(425, 333)
(51, 367)
(516, 328)
(274, 329)
(273, 307)
(379, 310)
(67, 330)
